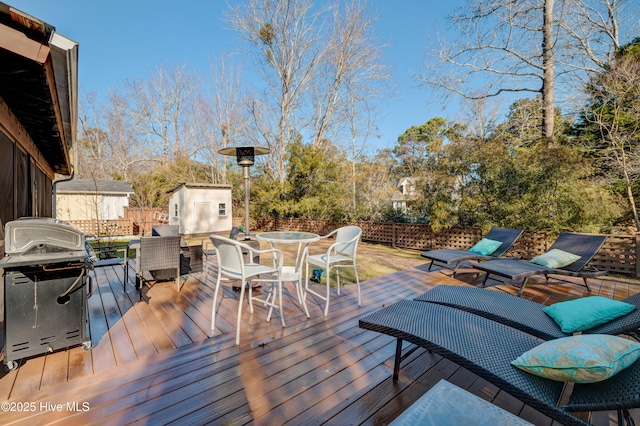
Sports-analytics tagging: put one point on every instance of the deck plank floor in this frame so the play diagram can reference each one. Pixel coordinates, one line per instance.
(156, 361)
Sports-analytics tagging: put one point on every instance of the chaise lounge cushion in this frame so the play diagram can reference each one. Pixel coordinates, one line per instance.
(485, 246)
(555, 258)
(449, 257)
(581, 359)
(587, 312)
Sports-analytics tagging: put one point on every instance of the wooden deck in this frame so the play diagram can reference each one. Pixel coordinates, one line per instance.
(156, 362)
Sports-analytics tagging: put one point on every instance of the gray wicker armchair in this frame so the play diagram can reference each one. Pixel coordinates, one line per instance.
(158, 253)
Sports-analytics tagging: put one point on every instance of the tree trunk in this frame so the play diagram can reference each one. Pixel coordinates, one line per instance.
(548, 114)
(632, 202)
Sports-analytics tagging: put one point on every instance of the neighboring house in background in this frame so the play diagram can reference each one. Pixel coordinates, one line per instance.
(406, 193)
(90, 199)
(199, 208)
(38, 113)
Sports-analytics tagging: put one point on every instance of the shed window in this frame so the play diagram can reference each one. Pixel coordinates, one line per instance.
(222, 209)
(175, 210)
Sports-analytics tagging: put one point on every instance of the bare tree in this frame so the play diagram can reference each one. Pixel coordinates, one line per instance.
(109, 144)
(351, 77)
(219, 118)
(499, 49)
(90, 158)
(160, 104)
(284, 38)
(376, 183)
(350, 71)
(481, 116)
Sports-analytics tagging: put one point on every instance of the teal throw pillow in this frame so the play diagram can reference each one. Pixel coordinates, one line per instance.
(555, 259)
(485, 246)
(587, 312)
(586, 358)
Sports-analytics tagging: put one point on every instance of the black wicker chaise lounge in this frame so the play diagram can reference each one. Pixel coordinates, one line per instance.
(486, 348)
(523, 314)
(584, 245)
(452, 257)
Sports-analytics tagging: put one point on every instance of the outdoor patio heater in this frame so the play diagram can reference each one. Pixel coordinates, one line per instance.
(245, 156)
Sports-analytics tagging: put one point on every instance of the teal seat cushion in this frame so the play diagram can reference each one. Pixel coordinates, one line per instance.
(485, 247)
(586, 312)
(555, 258)
(587, 358)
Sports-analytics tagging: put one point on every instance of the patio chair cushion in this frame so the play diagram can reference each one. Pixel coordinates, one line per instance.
(587, 312)
(555, 258)
(485, 246)
(588, 358)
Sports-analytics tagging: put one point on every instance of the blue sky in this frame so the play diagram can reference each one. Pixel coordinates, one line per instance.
(122, 40)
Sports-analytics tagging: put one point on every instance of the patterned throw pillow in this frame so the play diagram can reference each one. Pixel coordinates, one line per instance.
(485, 246)
(555, 259)
(587, 312)
(586, 358)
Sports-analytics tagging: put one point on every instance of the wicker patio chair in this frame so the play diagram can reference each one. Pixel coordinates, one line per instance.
(584, 245)
(452, 257)
(486, 348)
(158, 254)
(523, 314)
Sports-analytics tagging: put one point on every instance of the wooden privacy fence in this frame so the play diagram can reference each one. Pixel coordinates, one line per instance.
(136, 221)
(105, 228)
(144, 219)
(619, 253)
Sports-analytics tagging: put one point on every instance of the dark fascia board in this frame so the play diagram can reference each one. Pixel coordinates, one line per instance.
(39, 83)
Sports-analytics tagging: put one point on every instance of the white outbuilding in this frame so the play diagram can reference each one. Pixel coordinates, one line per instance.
(91, 199)
(200, 208)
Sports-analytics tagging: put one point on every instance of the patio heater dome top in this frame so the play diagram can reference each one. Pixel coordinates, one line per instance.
(244, 154)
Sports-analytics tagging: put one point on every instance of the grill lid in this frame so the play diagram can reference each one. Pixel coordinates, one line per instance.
(39, 235)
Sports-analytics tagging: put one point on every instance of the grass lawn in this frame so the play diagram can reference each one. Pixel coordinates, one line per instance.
(373, 260)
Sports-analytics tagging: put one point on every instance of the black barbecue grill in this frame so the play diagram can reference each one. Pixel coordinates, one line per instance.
(45, 288)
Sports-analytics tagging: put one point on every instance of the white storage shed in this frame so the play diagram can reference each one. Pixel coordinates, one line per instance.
(200, 208)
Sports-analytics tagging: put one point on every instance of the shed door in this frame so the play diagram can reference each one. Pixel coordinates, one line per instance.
(203, 217)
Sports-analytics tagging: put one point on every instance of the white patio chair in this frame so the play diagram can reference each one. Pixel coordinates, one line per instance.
(232, 267)
(340, 254)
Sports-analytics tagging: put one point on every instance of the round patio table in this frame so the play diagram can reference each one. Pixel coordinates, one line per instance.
(292, 273)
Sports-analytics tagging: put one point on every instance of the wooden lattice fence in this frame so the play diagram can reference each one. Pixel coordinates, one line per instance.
(105, 228)
(619, 253)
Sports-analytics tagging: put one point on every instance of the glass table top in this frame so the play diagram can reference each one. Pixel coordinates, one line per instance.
(288, 237)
